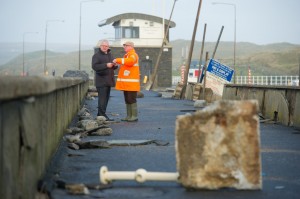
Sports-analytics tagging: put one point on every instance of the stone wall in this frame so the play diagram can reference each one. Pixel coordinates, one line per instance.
(278, 103)
(34, 112)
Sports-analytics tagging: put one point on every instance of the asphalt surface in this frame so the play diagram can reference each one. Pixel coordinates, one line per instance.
(280, 153)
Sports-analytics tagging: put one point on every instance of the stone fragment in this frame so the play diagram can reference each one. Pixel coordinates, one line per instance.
(103, 132)
(89, 97)
(77, 189)
(72, 138)
(93, 94)
(73, 146)
(75, 130)
(100, 119)
(218, 146)
(199, 103)
(83, 112)
(92, 89)
(88, 117)
(93, 144)
(87, 124)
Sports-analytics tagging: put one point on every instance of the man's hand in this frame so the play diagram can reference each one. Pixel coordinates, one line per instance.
(110, 65)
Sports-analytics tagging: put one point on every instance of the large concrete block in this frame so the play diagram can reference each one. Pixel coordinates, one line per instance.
(219, 146)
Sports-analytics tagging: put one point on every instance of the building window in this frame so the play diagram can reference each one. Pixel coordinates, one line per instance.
(118, 32)
(130, 32)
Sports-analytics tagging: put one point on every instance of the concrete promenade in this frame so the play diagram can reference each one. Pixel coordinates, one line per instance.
(280, 152)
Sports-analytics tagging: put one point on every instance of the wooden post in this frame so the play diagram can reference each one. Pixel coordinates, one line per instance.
(201, 54)
(192, 45)
(213, 56)
(204, 81)
(153, 75)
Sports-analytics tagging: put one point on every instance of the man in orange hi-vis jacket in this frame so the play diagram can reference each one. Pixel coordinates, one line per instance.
(129, 80)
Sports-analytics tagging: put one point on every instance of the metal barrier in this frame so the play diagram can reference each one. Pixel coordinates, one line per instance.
(258, 80)
(268, 80)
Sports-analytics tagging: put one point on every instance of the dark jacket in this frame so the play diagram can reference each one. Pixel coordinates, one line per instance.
(104, 76)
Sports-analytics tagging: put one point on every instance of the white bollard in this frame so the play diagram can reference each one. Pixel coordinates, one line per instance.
(140, 175)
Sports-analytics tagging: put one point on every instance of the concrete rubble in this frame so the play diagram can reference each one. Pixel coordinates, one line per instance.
(219, 146)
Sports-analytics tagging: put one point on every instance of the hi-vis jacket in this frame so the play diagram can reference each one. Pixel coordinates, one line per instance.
(129, 73)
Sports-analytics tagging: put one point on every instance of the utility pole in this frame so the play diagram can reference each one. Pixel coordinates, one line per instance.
(201, 54)
(191, 47)
(153, 75)
(215, 50)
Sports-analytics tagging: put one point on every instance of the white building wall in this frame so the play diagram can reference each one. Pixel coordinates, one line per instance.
(150, 33)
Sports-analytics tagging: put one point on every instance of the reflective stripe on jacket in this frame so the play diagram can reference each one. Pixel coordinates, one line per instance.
(129, 73)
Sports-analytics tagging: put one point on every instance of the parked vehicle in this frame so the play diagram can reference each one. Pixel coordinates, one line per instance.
(194, 71)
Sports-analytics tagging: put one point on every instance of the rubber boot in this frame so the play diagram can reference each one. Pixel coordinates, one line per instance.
(128, 107)
(134, 113)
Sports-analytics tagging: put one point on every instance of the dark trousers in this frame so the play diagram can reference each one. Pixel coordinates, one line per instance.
(130, 97)
(103, 97)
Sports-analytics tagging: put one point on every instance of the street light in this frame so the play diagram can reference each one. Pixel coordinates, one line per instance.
(25, 33)
(45, 52)
(234, 48)
(79, 52)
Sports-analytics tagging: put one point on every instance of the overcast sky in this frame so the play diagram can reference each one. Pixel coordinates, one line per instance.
(257, 21)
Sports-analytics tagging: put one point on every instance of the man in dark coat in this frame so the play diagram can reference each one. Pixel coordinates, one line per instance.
(104, 74)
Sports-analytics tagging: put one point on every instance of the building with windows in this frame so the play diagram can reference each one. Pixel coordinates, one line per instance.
(147, 32)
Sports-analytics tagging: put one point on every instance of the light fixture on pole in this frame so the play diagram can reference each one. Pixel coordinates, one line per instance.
(79, 51)
(24, 34)
(234, 48)
(45, 51)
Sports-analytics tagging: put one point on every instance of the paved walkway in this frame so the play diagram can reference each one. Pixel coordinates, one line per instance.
(280, 150)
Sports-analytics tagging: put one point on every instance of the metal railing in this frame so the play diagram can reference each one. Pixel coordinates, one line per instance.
(268, 80)
(259, 80)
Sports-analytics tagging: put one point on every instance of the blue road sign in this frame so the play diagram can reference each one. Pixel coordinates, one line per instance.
(220, 70)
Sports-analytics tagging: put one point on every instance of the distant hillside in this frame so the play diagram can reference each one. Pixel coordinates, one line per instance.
(60, 62)
(9, 51)
(273, 59)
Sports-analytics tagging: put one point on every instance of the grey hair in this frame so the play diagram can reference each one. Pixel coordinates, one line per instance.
(104, 41)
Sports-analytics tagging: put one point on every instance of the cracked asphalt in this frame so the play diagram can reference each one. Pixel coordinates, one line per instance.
(280, 153)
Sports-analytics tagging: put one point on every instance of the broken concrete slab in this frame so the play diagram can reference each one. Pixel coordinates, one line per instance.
(137, 142)
(103, 132)
(102, 144)
(109, 143)
(218, 146)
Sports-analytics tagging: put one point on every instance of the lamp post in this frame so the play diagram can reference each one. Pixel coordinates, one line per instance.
(45, 51)
(234, 48)
(79, 51)
(24, 34)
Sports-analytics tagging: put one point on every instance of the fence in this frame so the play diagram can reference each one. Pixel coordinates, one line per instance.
(268, 80)
(259, 80)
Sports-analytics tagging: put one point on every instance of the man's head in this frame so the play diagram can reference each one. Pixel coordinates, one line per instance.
(128, 45)
(104, 45)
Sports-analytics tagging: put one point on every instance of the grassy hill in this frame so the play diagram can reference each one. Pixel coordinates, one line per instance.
(60, 62)
(273, 59)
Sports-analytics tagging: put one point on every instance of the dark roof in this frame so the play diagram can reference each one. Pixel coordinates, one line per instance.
(135, 16)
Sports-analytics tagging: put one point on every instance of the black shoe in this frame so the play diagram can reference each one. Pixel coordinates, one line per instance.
(107, 118)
